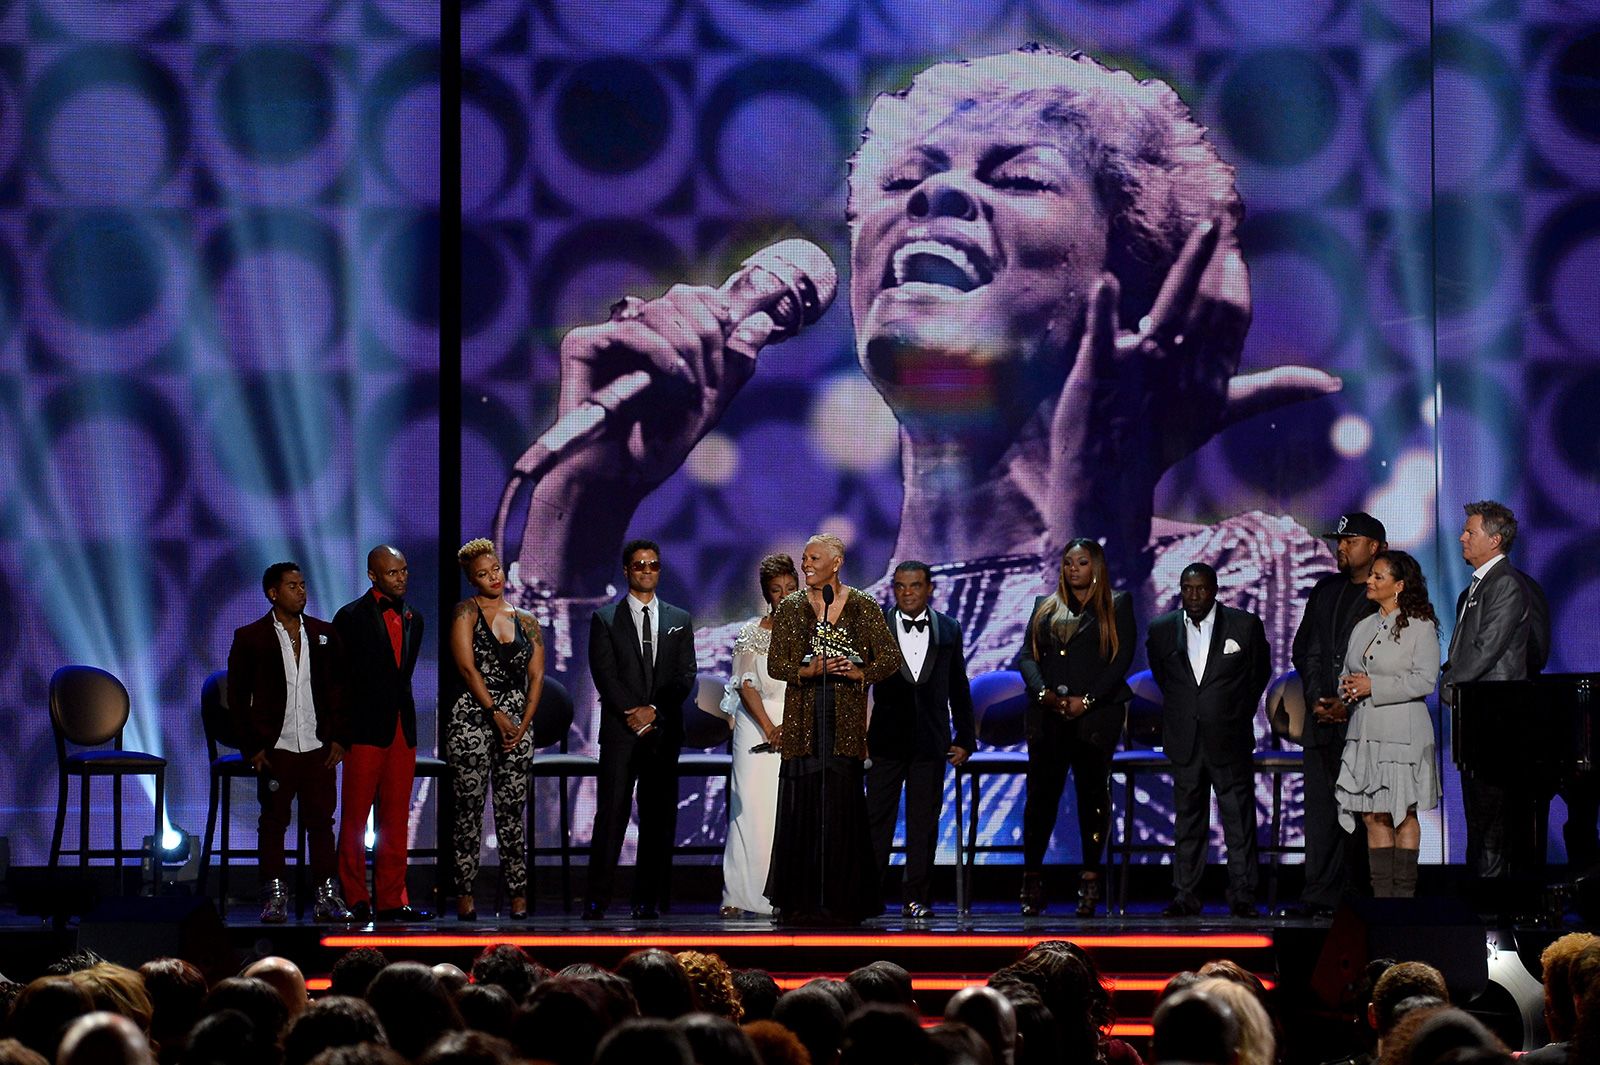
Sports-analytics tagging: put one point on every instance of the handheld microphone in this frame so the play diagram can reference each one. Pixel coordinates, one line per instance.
(763, 748)
(827, 596)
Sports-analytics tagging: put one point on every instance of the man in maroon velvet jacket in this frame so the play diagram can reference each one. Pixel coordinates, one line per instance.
(284, 693)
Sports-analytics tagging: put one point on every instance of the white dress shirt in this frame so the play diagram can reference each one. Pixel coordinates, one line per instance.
(1477, 578)
(1199, 637)
(638, 609)
(914, 644)
(299, 733)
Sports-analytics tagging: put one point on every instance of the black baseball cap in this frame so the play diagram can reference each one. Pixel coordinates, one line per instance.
(1358, 523)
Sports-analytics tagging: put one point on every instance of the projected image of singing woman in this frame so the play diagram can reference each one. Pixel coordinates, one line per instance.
(1047, 290)
(829, 643)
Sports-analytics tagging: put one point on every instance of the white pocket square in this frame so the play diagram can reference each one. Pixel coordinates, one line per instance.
(322, 638)
(675, 628)
(1230, 646)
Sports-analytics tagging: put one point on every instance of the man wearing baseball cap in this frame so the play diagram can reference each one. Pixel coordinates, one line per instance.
(1336, 603)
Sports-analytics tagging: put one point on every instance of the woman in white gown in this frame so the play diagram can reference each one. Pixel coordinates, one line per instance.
(754, 701)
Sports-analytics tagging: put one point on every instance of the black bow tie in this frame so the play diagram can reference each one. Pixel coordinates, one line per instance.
(921, 624)
(397, 605)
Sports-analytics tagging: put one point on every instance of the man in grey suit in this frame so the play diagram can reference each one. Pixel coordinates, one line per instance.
(641, 655)
(1212, 664)
(1498, 635)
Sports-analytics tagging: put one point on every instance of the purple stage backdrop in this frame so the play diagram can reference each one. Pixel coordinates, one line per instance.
(219, 342)
(1421, 220)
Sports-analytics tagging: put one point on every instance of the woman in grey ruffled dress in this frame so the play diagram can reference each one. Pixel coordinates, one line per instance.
(1388, 771)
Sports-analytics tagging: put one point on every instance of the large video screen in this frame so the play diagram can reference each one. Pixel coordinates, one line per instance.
(1396, 312)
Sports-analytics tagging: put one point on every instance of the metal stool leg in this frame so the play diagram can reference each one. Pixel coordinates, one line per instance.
(161, 826)
(961, 893)
(83, 822)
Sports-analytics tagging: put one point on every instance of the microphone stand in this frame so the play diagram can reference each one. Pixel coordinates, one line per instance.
(823, 751)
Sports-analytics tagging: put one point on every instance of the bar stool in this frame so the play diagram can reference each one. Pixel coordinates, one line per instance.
(999, 704)
(88, 708)
(552, 726)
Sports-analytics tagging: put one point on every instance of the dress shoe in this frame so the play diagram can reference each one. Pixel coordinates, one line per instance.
(274, 902)
(916, 911)
(1088, 895)
(1181, 908)
(1032, 894)
(1242, 908)
(330, 905)
(730, 911)
(643, 911)
(404, 915)
(360, 912)
(594, 911)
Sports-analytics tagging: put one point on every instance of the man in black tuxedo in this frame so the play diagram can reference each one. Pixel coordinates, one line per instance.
(641, 656)
(921, 720)
(381, 636)
(1212, 664)
(1502, 632)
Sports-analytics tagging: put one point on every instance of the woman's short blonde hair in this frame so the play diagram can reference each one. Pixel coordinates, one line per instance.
(1257, 1044)
(474, 549)
(117, 990)
(831, 541)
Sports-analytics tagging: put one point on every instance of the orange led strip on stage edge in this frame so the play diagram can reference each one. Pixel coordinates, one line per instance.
(692, 941)
(956, 983)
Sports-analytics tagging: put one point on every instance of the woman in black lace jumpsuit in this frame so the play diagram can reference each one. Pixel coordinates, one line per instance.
(499, 656)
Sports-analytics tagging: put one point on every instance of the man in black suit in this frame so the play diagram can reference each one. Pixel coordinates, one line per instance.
(921, 720)
(641, 656)
(1212, 664)
(1334, 859)
(1502, 632)
(381, 636)
(286, 699)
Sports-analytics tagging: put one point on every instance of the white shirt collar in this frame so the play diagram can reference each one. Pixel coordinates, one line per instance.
(1478, 574)
(1204, 623)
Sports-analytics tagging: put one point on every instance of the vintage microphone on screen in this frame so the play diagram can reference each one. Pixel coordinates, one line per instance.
(773, 295)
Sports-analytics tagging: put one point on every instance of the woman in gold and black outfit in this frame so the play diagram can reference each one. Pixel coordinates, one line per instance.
(822, 866)
(1074, 661)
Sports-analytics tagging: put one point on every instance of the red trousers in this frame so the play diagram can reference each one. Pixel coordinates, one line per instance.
(383, 774)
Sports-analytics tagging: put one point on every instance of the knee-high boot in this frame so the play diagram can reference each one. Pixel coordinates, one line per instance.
(1381, 860)
(1405, 873)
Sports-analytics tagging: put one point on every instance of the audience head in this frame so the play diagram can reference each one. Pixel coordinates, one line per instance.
(354, 971)
(1560, 1009)
(562, 1022)
(335, 1021)
(14, 1053)
(77, 961)
(991, 1015)
(284, 977)
(1257, 1043)
(842, 993)
(646, 1039)
(413, 1007)
(776, 1044)
(712, 983)
(486, 1008)
(468, 1048)
(230, 1037)
(879, 1032)
(816, 1018)
(617, 999)
(953, 1043)
(1399, 982)
(509, 967)
(451, 977)
(261, 1005)
(176, 989)
(660, 985)
(1193, 1025)
(116, 989)
(717, 1040)
(360, 1054)
(883, 981)
(758, 993)
(43, 1010)
(1430, 1036)
(104, 1038)
(1071, 991)
(1038, 1036)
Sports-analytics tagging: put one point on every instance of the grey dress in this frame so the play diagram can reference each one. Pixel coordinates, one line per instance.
(1388, 765)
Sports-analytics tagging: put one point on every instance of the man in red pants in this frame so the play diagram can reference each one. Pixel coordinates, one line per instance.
(380, 635)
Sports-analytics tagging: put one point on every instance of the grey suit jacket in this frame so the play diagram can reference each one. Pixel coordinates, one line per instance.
(1490, 641)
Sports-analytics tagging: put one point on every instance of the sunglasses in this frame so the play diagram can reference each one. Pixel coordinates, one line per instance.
(644, 565)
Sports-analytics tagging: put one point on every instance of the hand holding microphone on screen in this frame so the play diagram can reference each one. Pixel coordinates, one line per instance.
(640, 390)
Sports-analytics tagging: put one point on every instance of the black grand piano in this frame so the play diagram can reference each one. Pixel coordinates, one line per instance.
(1535, 729)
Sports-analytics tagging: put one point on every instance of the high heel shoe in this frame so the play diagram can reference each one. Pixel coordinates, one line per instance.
(519, 913)
(469, 913)
(1032, 894)
(1088, 895)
